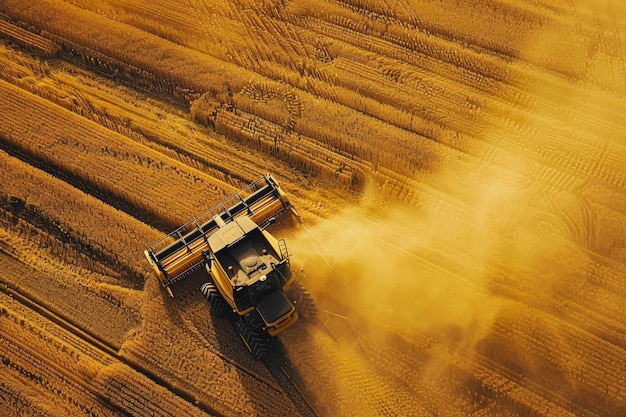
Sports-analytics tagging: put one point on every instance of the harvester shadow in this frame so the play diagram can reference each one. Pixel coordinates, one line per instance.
(190, 310)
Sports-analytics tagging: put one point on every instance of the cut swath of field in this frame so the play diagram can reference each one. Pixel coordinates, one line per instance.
(88, 152)
(78, 299)
(125, 389)
(60, 374)
(45, 364)
(201, 355)
(28, 39)
(98, 237)
(154, 124)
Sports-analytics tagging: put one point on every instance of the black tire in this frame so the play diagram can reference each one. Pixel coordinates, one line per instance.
(304, 303)
(219, 307)
(255, 340)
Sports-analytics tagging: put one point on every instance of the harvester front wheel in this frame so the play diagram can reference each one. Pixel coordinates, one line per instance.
(304, 303)
(217, 302)
(255, 340)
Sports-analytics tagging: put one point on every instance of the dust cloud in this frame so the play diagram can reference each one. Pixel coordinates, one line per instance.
(411, 290)
(505, 243)
(408, 269)
(484, 227)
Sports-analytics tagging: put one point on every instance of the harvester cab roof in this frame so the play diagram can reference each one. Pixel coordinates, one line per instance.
(248, 260)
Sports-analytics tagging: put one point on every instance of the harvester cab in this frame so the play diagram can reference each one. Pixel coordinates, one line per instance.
(249, 274)
(253, 273)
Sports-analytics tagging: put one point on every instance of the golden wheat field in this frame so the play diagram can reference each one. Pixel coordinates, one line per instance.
(459, 168)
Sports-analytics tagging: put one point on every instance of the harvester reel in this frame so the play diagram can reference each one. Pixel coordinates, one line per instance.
(219, 307)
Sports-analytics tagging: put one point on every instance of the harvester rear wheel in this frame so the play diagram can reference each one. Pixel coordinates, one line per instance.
(255, 340)
(304, 303)
(217, 302)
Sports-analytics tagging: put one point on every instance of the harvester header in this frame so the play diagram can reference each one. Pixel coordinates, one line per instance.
(178, 254)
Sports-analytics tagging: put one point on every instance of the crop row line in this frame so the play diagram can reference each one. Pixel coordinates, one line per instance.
(93, 386)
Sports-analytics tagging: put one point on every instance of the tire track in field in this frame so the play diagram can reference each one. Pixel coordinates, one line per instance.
(85, 186)
(65, 236)
(285, 375)
(277, 363)
(97, 344)
(528, 393)
(209, 160)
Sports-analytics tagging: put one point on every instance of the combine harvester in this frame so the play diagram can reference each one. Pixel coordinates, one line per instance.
(248, 269)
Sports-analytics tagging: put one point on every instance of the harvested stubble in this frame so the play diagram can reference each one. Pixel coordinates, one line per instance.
(106, 160)
(191, 359)
(56, 368)
(30, 40)
(110, 235)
